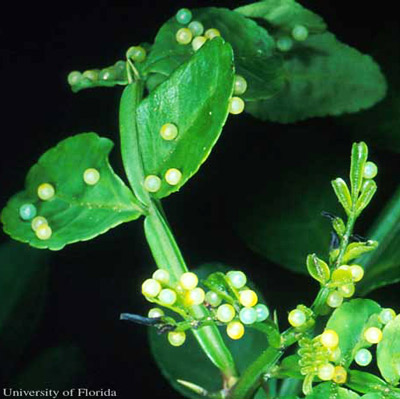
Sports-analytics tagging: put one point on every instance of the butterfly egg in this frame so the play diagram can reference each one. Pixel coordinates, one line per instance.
(326, 372)
(284, 44)
(27, 211)
(43, 232)
(342, 275)
(370, 170)
(235, 330)
(299, 33)
(169, 131)
(297, 318)
(329, 339)
(237, 278)
(184, 36)
(91, 75)
(37, 222)
(248, 298)
(196, 296)
(339, 375)
(357, 272)
(335, 299)
(91, 176)
(262, 312)
(387, 315)
(347, 290)
(167, 296)
(136, 53)
(196, 28)
(373, 335)
(363, 357)
(213, 299)
(173, 176)
(184, 16)
(74, 78)
(188, 281)
(155, 313)
(152, 183)
(151, 288)
(248, 315)
(161, 276)
(198, 42)
(225, 313)
(240, 85)
(176, 338)
(45, 191)
(236, 105)
(212, 33)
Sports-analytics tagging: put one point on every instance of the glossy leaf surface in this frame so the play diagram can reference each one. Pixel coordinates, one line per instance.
(349, 321)
(78, 211)
(253, 47)
(388, 352)
(324, 77)
(195, 99)
(329, 390)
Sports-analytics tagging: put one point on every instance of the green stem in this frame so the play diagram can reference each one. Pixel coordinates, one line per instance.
(346, 237)
(162, 243)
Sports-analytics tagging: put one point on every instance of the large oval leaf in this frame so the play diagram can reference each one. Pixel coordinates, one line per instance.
(78, 211)
(253, 47)
(329, 390)
(388, 352)
(325, 77)
(350, 321)
(196, 99)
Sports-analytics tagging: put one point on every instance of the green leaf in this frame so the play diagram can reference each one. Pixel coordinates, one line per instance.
(383, 265)
(364, 382)
(356, 249)
(23, 287)
(372, 395)
(59, 368)
(78, 211)
(254, 50)
(368, 190)
(388, 352)
(342, 193)
(329, 390)
(324, 77)
(289, 367)
(349, 321)
(196, 100)
(284, 14)
(318, 269)
(276, 215)
(359, 156)
(111, 76)
(190, 364)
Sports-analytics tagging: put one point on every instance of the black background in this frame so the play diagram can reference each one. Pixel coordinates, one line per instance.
(91, 283)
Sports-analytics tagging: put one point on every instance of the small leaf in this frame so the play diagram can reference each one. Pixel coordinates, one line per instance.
(284, 14)
(339, 226)
(364, 382)
(289, 367)
(254, 50)
(111, 76)
(78, 211)
(325, 77)
(342, 193)
(356, 249)
(318, 269)
(367, 192)
(350, 321)
(359, 156)
(195, 99)
(388, 352)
